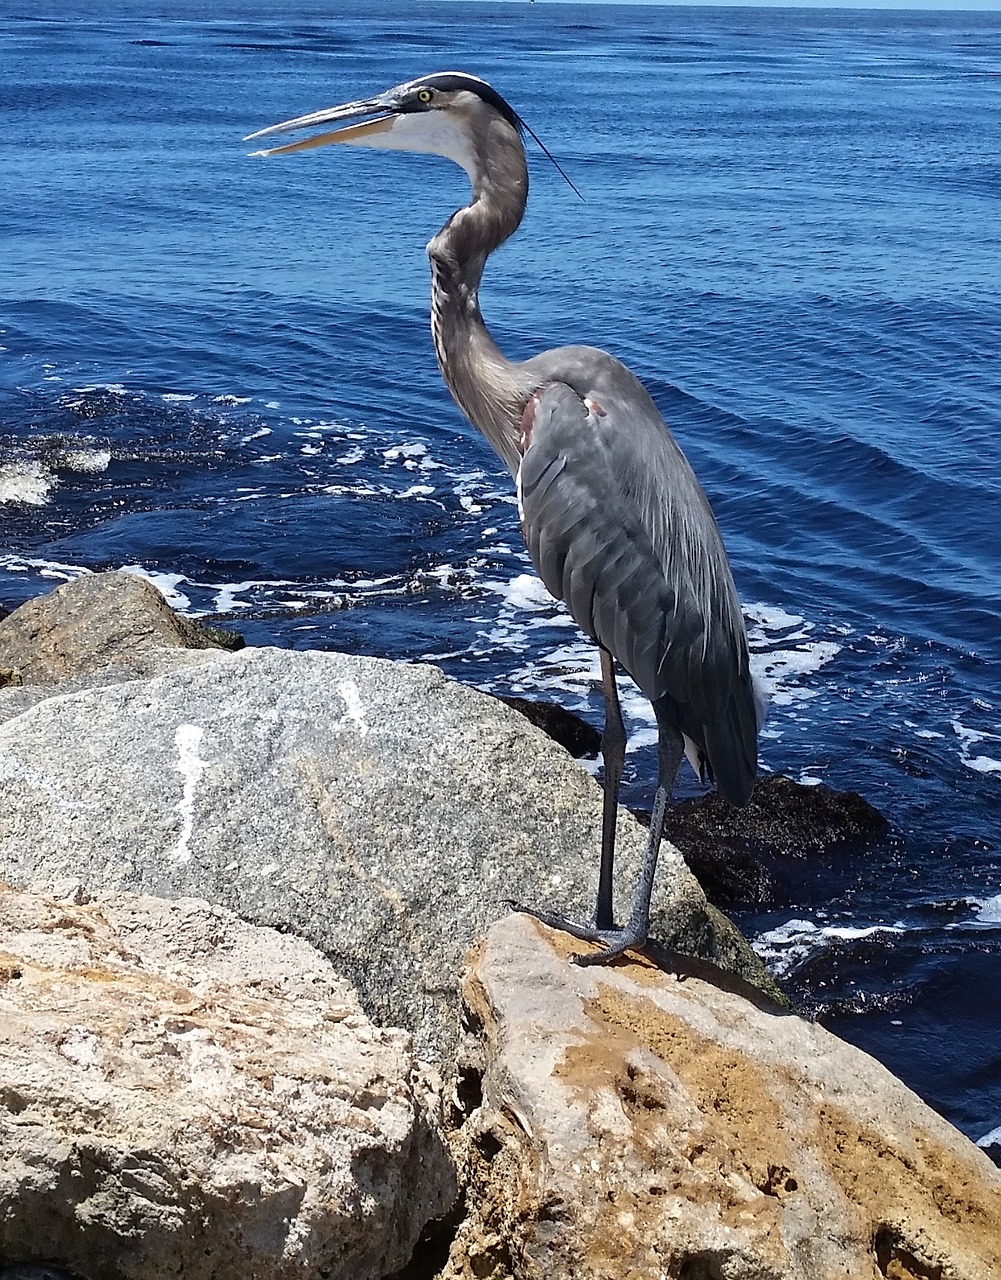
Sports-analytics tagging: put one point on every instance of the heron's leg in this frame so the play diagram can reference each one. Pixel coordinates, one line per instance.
(670, 749)
(613, 754)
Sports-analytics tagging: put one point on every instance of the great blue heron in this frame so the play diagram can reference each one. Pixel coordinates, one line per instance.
(616, 523)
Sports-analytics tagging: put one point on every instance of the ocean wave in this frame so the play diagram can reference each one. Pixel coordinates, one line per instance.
(789, 946)
(25, 483)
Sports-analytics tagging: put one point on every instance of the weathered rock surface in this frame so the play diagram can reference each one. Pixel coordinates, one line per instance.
(379, 810)
(184, 1094)
(752, 854)
(98, 621)
(624, 1124)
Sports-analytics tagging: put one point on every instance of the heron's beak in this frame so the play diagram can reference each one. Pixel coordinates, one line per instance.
(379, 114)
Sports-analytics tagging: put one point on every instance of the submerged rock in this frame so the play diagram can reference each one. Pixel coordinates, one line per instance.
(623, 1122)
(570, 730)
(186, 1094)
(746, 855)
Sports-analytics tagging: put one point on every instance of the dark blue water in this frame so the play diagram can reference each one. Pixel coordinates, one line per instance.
(217, 370)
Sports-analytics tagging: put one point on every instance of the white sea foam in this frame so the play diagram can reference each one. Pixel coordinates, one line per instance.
(788, 945)
(971, 738)
(25, 483)
(109, 388)
(524, 591)
(399, 451)
(991, 1139)
(166, 583)
(412, 457)
(780, 671)
(86, 460)
(362, 583)
(44, 568)
(226, 601)
(357, 490)
(178, 397)
(770, 618)
(988, 912)
(526, 606)
(791, 944)
(256, 435)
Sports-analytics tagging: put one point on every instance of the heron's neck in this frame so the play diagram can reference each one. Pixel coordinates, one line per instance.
(485, 385)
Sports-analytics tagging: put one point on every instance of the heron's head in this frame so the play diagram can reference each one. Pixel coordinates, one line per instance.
(447, 113)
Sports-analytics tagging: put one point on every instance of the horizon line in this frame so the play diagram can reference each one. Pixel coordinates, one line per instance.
(884, 6)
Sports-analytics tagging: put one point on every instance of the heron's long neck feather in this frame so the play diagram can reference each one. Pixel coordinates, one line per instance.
(486, 386)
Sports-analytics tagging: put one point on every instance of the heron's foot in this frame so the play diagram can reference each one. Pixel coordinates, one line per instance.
(614, 941)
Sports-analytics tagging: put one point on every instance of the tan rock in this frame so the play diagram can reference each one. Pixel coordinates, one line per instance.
(636, 1125)
(186, 1094)
(98, 621)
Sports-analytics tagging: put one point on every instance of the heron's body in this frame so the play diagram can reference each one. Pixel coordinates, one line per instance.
(615, 520)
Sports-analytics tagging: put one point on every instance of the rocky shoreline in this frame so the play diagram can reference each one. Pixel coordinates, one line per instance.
(267, 1015)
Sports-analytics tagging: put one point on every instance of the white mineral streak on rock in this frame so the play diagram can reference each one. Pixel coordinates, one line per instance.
(355, 712)
(187, 739)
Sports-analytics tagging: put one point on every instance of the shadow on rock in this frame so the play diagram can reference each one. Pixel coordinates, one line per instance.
(570, 730)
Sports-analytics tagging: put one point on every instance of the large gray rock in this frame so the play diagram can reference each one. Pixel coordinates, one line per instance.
(184, 1094)
(379, 810)
(623, 1122)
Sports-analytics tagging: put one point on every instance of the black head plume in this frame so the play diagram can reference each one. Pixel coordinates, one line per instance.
(452, 81)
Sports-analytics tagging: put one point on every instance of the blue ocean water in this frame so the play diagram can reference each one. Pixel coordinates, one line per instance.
(217, 370)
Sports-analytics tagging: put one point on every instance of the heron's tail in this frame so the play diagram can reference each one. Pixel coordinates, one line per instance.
(728, 748)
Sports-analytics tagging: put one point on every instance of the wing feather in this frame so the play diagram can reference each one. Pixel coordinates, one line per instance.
(619, 528)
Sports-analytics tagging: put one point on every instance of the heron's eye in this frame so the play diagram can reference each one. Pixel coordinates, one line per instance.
(424, 95)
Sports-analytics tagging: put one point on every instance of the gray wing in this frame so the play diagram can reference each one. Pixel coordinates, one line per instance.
(619, 528)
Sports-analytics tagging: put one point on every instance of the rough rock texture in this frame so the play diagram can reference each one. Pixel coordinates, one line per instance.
(98, 621)
(748, 855)
(625, 1124)
(185, 1094)
(379, 810)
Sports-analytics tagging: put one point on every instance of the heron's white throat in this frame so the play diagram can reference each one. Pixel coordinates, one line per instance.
(427, 133)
